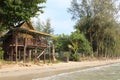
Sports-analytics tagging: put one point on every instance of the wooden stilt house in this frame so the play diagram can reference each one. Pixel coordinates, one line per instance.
(24, 43)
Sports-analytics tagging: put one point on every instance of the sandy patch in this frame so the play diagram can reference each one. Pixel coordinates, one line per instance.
(17, 72)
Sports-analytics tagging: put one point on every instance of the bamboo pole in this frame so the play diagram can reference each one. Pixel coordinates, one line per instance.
(16, 47)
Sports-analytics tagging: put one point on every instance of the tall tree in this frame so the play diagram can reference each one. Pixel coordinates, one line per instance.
(47, 27)
(95, 18)
(13, 12)
(44, 26)
(38, 25)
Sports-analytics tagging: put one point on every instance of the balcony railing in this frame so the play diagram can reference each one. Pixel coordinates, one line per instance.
(32, 42)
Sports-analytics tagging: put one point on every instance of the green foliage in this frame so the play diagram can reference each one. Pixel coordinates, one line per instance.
(13, 12)
(75, 57)
(97, 20)
(64, 56)
(61, 43)
(80, 9)
(79, 43)
(1, 53)
(72, 45)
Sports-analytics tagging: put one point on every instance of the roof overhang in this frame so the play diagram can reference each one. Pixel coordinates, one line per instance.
(32, 31)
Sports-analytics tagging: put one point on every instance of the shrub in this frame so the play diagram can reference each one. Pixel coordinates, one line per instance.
(75, 57)
(64, 56)
(1, 53)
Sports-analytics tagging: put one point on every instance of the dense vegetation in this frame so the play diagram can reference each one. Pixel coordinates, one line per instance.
(98, 21)
(72, 45)
(97, 30)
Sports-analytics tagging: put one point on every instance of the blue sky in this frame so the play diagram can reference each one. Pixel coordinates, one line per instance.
(56, 11)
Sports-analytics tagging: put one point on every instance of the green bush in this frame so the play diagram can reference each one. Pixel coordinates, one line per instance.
(75, 57)
(64, 56)
(1, 53)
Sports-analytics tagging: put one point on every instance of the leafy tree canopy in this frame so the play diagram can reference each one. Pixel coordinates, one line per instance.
(79, 42)
(13, 12)
(61, 42)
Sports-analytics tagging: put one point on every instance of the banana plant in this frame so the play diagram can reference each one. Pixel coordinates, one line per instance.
(74, 46)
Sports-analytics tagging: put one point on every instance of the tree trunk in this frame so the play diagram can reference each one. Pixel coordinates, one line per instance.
(44, 56)
(19, 54)
(24, 55)
(91, 45)
(53, 53)
(30, 53)
(16, 47)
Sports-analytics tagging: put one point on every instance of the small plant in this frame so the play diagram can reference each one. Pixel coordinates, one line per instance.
(1, 53)
(75, 57)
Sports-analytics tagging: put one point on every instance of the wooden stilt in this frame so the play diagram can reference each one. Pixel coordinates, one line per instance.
(30, 55)
(36, 54)
(12, 53)
(16, 48)
(35, 50)
(19, 54)
(24, 55)
(44, 56)
(12, 48)
(49, 54)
